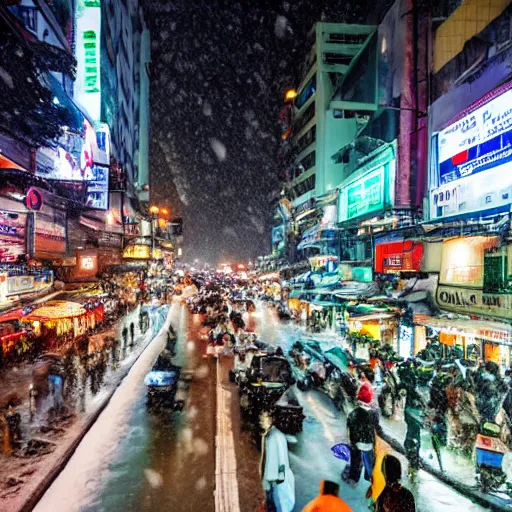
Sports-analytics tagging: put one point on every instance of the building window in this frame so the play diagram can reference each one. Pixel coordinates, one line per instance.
(29, 17)
(308, 161)
(306, 140)
(305, 118)
(306, 93)
(305, 186)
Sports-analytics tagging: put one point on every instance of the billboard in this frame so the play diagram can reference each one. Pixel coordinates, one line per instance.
(363, 196)
(92, 167)
(49, 233)
(13, 236)
(97, 190)
(394, 257)
(474, 157)
(462, 260)
(88, 36)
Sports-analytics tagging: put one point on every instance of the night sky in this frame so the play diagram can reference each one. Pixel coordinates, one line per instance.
(219, 72)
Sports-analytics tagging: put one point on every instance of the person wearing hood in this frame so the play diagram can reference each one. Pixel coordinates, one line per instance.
(276, 474)
(394, 497)
(362, 425)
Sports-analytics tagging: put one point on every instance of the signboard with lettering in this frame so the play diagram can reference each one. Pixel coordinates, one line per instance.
(364, 196)
(472, 300)
(394, 257)
(137, 252)
(12, 287)
(88, 37)
(13, 228)
(474, 156)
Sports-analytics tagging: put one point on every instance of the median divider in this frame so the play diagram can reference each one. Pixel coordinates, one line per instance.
(226, 482)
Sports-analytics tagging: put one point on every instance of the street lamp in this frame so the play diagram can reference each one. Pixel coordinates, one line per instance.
(154, 210)
(290, 94)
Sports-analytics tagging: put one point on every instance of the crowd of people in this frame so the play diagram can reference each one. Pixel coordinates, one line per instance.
(226, 311)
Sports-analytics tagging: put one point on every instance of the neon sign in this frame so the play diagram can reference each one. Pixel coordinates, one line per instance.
(88, 82)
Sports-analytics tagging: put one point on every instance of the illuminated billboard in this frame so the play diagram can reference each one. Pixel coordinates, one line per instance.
(92, 166)
(88, 30)
(13, 228)
(474, 158)
(365, 195)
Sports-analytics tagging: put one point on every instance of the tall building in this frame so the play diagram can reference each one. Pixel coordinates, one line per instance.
(315, 129)
(75, 148)
(312, 131)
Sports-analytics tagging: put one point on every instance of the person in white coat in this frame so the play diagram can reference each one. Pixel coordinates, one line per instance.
(277, 477)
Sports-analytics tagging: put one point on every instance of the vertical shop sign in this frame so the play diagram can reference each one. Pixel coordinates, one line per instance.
(88, 82)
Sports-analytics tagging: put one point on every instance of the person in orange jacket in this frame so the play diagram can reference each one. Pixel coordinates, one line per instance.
(327, 500)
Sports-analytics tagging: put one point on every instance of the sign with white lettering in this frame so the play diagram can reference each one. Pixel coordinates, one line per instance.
(468, 300)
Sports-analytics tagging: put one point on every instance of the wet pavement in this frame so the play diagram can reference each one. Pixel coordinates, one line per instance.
(311, 458)
(133, 459)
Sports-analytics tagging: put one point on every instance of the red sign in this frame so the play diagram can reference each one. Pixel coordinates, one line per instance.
(397, 257)
(34, 199)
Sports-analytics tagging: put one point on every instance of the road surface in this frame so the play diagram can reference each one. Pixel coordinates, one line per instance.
(133, 460)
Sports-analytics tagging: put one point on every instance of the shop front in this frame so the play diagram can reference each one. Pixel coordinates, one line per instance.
(367, 324)
(476, 340)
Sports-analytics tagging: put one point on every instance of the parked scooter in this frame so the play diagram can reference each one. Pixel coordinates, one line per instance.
(491, 457)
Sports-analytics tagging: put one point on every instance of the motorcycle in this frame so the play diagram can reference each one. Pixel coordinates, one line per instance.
(389, 391)
(492, 456)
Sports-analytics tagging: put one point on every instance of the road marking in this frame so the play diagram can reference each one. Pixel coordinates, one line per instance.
(226, 482)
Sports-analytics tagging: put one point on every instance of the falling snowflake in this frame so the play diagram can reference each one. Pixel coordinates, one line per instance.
(218, 148)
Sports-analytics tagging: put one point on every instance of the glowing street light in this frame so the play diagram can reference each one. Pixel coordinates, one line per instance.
(290, 94)
(154, 210)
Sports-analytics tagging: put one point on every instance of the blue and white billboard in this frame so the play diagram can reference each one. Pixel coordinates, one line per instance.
(474, 161)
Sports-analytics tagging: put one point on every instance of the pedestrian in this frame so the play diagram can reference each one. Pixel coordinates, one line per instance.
(367, 378)
(362, 425)
(394, 497)
(277, 477)
(13, 418)
(125, 335)
(328, 500)
(132, 331)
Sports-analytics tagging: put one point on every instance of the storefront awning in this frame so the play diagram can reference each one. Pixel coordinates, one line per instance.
(489, 331)
(57, 309)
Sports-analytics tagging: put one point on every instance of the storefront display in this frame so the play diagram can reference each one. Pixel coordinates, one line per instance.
(477, 339)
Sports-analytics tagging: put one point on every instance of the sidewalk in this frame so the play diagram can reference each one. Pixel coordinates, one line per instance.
(29, 471)
(459, 470)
